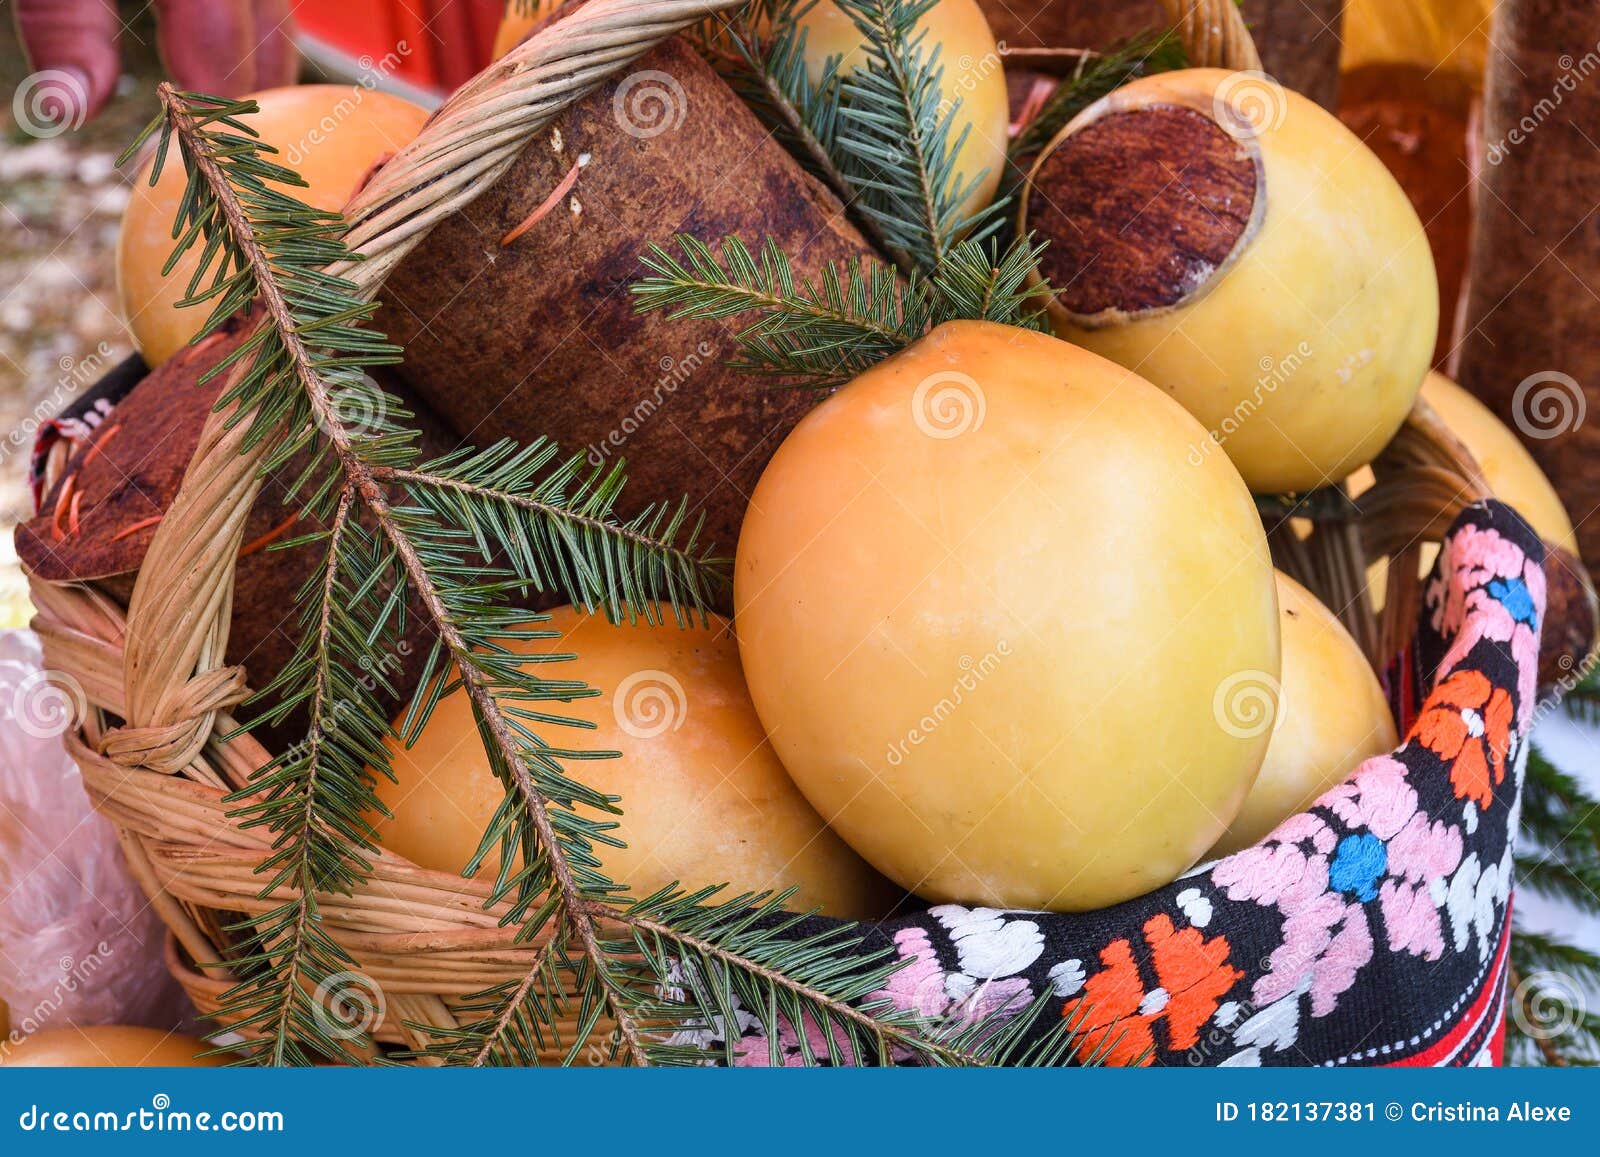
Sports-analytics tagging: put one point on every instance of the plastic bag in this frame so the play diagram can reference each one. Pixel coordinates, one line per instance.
(79, 943)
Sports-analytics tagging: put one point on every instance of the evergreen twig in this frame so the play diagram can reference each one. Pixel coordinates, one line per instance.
(820, 335)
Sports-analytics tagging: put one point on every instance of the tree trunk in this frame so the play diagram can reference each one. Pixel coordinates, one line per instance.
(1532, 314)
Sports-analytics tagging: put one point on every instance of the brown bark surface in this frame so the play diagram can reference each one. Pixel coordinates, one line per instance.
(1530, 348)
(540, 337)
(1124, 236)
(130, 473)
(1416, 121)
(1298, 39)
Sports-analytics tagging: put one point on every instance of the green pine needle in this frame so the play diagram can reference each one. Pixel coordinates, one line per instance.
(821, 334)
(1548, 1021)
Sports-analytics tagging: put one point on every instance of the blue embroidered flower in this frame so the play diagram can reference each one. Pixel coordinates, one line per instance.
(1358, 864)
(1513, 594)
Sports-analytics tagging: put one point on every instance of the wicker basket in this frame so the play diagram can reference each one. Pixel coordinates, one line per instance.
(159, 694)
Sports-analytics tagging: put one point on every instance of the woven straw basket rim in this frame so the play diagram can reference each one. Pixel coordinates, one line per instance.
(425, 938)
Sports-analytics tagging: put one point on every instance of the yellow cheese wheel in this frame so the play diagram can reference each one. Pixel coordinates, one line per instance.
(998, 626)
(1331, 717)
(973, 75)
(1512, 474)
(705, 801)
(1302, 347)
(331, 134)
(105, 1047)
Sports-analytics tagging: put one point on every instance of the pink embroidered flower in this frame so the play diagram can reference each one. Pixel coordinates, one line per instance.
(1495, 593)
(1321, 884)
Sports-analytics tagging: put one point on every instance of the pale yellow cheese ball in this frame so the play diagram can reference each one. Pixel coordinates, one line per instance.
(331, 134)
(1331, 717)
(1304, 353)
(107, 1047)
(973, 75)
(705, 801)
(994, 620)
(1511, 472)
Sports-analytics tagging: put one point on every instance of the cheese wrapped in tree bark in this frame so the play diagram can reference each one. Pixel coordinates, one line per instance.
(516, 314)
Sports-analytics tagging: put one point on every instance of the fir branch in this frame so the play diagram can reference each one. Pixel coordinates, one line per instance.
(894, 136)
(817, 336)
(747, 953)
(1562, 875)
(760, 52)
(561, 527)
(1548, 1021)
(1582, 701)
(820, 335)
(1558, 814)
(980, 283)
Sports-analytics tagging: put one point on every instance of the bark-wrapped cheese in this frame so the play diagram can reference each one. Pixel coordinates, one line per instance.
(99, 517)
(518, 334)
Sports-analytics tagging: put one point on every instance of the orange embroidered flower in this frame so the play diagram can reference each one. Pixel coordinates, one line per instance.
(1119, 1016)
(1467, 723)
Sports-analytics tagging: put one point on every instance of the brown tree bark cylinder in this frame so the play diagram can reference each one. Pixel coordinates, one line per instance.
(98, 519)
(517, 324)
(1530, 349)
(1298, 39)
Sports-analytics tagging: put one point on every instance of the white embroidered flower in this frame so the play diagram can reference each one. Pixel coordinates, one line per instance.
(988, 946)
(1154, 1002)
(1066, 978)
(1472, 905)
(1276, 1026)
(1195, 906)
